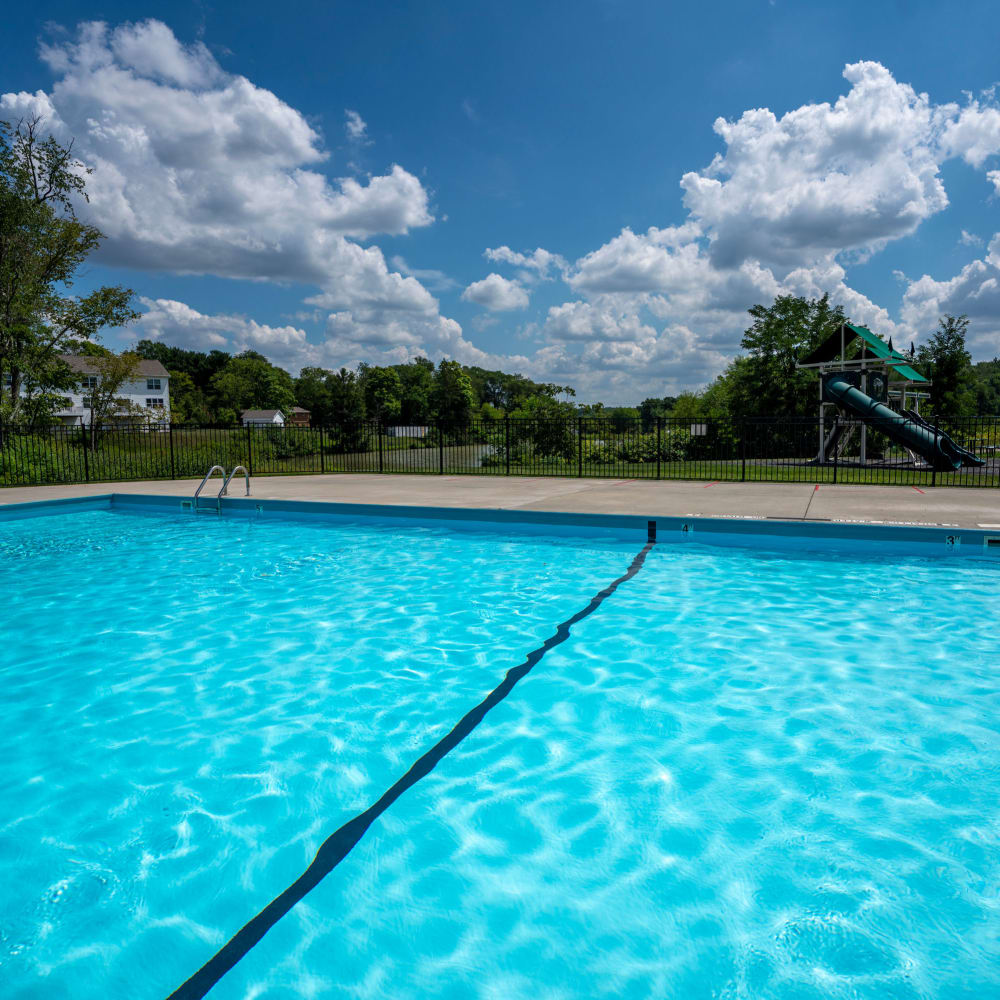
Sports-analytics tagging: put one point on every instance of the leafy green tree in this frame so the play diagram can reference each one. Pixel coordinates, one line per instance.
(187, 402)
(42, 247)
(112, 371)
(416, 385)
(250, 382)
(547, 425)
(652, 408)
(764, 381)
(987, 384)
(382, 391)
(946, 361)
(452, 398)
(312, 393)
(199, 365)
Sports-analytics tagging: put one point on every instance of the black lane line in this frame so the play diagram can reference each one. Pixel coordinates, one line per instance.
(338, 845)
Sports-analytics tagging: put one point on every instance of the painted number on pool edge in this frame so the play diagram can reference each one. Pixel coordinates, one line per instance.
(952, 542)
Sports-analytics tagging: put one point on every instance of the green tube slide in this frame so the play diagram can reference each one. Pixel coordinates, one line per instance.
(929, 442)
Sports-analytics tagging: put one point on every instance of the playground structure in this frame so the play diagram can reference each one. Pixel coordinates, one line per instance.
(868, 385)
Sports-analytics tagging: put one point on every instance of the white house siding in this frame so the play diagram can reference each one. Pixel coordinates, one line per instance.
(146, 392)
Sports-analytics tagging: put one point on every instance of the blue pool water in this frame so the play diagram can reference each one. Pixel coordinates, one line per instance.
(748, 773)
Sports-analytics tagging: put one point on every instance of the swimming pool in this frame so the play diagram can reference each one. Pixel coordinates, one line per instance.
(767, 769)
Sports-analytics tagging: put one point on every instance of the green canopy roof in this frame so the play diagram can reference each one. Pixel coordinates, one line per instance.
(829, 351)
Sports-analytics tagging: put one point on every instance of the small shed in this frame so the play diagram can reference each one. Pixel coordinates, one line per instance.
(262, 418)
(299, 417)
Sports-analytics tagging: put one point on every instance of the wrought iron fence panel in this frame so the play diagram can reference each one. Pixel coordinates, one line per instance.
(771, 449)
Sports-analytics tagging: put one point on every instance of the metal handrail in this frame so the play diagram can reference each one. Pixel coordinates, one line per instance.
(208, 475)
(224, 492)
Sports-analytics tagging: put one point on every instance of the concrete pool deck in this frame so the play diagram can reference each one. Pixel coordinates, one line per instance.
(951, 506)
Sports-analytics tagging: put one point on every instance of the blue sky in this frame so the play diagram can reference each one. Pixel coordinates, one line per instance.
(528, 186)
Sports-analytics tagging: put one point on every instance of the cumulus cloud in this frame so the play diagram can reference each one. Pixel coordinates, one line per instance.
(823, 178)
(198, 170)
(534, 265)
(496, 293)
(178, 324)
(974, 291)
(356, 127)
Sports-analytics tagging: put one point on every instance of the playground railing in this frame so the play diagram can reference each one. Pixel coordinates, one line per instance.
(760, 449)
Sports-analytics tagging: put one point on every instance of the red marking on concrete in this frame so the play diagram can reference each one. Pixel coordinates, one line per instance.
(918, 490)
(715, 483)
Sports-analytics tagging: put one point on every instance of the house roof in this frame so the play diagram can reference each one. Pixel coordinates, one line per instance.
(84, 365)
(297, 409)
(259, 414)
(829, 351)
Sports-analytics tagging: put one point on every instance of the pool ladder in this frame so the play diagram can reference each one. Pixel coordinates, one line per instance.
(225, 486)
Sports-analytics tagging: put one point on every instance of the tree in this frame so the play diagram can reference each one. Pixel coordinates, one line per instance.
(312, 393)
(946, 361)
(112, 371)
(547, 424)
(416, 384)
(187, 402)
(382, 391)
(42, 246)
(987, 382)
(200, 366)
(249, 381)
(452, 397)
(765, 382)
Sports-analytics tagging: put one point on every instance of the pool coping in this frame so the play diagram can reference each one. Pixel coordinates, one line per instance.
(925, 539)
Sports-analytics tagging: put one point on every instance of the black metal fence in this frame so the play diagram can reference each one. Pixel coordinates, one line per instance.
(762, 450)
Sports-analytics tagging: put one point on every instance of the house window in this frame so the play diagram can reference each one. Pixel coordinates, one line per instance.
(86, 402)
(154, 402)
(88, 382)
(153, 385)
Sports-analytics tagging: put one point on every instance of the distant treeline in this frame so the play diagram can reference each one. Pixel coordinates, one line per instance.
(213, 387)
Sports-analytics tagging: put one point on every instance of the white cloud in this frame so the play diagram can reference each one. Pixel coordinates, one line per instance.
(823, 179)
(197, 170)
(968, 239)
(356, 127)
(974, 291)
(535, 265)
(178, 324)
(993, 176)
(590, 321)
(496, 293)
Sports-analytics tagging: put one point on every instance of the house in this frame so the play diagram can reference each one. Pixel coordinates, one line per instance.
(299, 417)
(262, 418)
(149, 390)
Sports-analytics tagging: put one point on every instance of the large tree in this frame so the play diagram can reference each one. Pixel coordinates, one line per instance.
(764, 382)
(250, 381)
(946, 361)
(42, 247)
(452, 397)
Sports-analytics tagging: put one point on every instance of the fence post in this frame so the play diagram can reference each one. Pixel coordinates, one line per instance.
(836, 450)
(506, 440)
(579, 448)
(743, 452)
(322, 457)
(249, 452)
(378, 431)
(659, 443)
(170, 434)
(440, 429)
(86, 459)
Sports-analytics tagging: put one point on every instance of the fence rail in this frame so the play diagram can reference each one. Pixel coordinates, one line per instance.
(761, 450)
